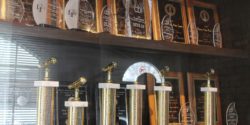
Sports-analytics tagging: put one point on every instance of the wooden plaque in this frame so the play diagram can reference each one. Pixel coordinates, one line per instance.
(139, 19)
(177, 96)
(170, 21)
(204, 18)
(196, 97)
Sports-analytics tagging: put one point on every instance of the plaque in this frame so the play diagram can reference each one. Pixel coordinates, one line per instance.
(175, 79)
(139, 19)
(80, 14)
(12, 10)
(186, 115)
(169, 21)
(196, 96)
(49, 13)
(205, 19)
(105, 19)
(231, 115)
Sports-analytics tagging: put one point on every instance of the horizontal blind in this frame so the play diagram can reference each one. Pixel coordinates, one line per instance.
(18, 71)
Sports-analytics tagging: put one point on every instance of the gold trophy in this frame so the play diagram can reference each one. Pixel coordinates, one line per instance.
(108, 97)
(75, 106)
(209, 101)
(46, 95)
(162, 93)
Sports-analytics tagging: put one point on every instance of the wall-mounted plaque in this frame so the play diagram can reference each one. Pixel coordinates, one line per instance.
(177, 97)
(80, 14)
(196, 97)
(169, 21)
(139, 19)
(49, 12)
(105, 19)
(12, 10)
(205, 20)
(231, 115)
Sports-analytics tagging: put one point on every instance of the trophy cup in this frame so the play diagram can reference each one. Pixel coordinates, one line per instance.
(45, 96)
(75, 106)
(209, 100)
(108, 97)
(49, 13)
(79, 14)
(162, 93)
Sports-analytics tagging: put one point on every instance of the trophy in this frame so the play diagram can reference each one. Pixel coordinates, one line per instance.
(186, 115)
(162, 93)
(231, 115)
(107, 97)
(76, 106)
(217, 38)
(209, 100)
(193, 35)
(135, 91)
(12, 10)
(79, 14)
(45, 96)
(49, 13)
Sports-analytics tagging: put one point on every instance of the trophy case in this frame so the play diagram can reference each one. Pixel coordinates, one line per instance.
(124, 77)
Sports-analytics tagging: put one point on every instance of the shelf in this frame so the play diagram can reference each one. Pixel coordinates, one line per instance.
(111, 40)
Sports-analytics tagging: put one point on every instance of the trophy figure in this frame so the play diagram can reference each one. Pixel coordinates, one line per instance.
(108, 97)
(162, 94)
(45, 96)
(209, 100)
(75, 106)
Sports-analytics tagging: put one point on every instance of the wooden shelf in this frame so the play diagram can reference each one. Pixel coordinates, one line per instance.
(111, 40)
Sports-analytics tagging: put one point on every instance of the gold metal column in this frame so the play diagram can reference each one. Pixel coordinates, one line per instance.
(76, 113)
(45, 98)
(209, 102)
(163, 100)
(107, 98)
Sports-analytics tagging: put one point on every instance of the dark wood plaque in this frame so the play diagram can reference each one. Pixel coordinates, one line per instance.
(139, 15)
(196, 97)
(204, 17)
(175, 11)
(177, 98)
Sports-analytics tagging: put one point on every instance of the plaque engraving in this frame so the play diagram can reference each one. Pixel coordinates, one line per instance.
(204, 17)
(169, 21)
(231, 114)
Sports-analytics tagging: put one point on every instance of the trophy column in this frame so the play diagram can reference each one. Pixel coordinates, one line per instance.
(135, 103)
(108, 97)
(76, 107)
(209, 101)
(45, 96)
(162, 93)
